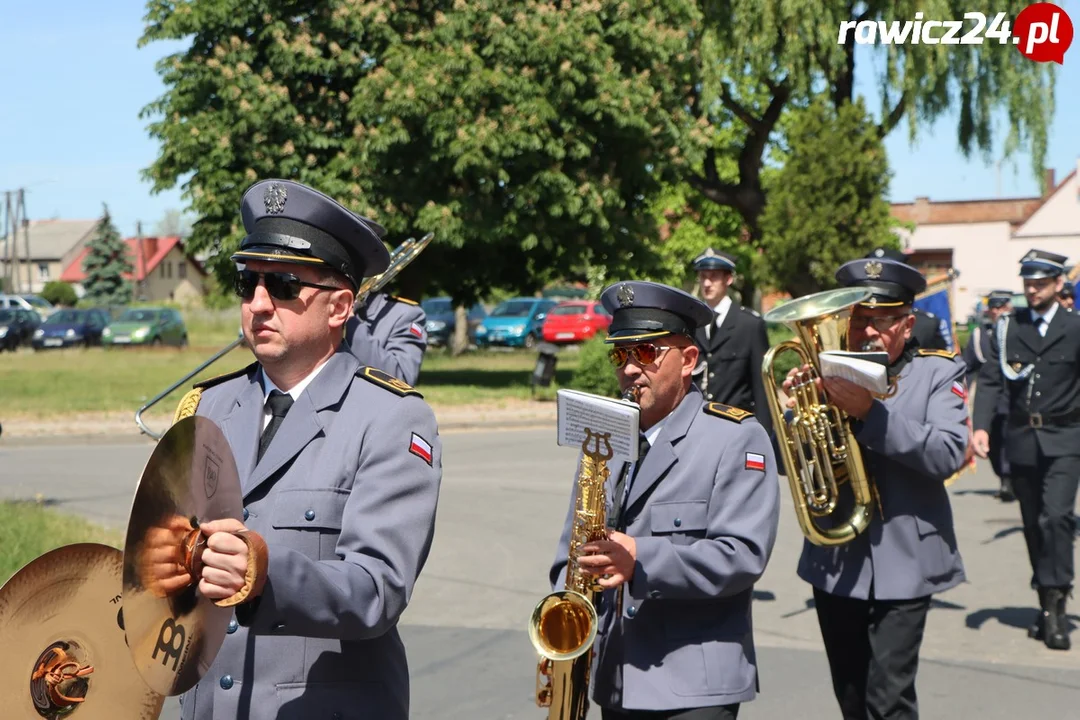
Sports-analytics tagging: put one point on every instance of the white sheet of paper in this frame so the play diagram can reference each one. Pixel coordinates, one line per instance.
(866, 373)
(580, 410)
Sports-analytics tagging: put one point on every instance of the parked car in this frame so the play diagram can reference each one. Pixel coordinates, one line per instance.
(574, 321)
(146, 326)
(70, 327)
(41, 306)
(515, 323)
(441, 323)
(17, 327)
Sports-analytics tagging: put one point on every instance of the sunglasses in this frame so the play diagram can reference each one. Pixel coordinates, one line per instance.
(881, 324)
(280, 285)
(644, 354)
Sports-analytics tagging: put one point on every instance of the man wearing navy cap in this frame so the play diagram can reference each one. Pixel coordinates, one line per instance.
(872, 594)
(929, 330)
(1035, 364)
(733, 344)
(390, 333)
(693, 523)
(340, 466)
(998, 303)
(1067, 296)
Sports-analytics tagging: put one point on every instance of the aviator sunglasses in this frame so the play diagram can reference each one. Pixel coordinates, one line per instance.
(644, 354)
(280, 285)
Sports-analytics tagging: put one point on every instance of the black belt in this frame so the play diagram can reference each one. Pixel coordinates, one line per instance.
(1038, 420)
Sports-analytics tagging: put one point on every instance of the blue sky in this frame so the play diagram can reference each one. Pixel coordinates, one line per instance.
(71, 134)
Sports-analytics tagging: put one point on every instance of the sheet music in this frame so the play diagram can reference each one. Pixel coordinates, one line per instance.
(579, 410)
(867, 370)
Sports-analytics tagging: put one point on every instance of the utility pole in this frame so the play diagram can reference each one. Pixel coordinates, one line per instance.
(140, 266)
(14, 218)
(23, 220)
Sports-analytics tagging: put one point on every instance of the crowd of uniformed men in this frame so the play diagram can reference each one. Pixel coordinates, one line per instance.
(341, 464)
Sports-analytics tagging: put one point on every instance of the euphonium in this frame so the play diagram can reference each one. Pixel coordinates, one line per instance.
(817, 444)
(564, 623)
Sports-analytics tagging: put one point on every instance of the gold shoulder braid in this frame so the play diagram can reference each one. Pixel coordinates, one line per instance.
(924, 352)
(190, 402)
(407, 301)
(388, 381)
(727, 412)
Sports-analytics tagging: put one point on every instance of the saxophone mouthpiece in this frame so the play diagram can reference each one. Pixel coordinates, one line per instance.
(631, 393)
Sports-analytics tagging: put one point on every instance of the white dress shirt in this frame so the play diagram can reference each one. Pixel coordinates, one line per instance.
(269, 387)
(721, 311)
(1047, 317)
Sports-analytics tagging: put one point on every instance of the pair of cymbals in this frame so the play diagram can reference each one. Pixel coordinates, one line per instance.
(80, 626)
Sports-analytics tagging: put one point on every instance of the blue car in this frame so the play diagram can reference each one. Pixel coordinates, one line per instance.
(71, 328)
(441, 321)
(516, 322)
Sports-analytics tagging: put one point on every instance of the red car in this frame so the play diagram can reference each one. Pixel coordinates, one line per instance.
(575, 321)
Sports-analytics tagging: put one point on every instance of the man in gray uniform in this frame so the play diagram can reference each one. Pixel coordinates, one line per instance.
(389, 333)
(872, 594)
(1035, 364)
(340, 466)
(692, 522)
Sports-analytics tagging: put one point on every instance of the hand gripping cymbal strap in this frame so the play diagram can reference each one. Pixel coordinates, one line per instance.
(255, 577)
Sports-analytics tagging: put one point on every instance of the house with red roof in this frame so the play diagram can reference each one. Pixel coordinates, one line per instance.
(163, 271)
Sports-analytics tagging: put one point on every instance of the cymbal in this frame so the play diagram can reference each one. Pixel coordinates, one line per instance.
(63, 641)
(173, 631)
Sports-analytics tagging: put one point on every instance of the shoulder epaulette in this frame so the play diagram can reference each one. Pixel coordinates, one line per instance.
(727, 412)
(388, 381)
(752, 311)
(407, 301)
(924, 352)
(190, 402)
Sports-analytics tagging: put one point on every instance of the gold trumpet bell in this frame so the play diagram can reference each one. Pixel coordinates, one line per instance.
(816, 443)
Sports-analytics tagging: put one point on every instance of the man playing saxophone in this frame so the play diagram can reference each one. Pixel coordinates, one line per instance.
(872, 593)
(692, 526)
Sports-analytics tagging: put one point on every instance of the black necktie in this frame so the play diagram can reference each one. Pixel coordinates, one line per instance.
(279, 404)
(620, 486)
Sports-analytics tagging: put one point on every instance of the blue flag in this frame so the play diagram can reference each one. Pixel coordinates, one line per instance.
(938, 304)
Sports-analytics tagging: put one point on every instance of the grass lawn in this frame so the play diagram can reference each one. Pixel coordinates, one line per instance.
(29, 530)
(94, 380)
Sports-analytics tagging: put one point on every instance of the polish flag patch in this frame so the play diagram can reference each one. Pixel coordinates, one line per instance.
(959, 390)
(416, 330)
(755, 461)
(421, 448)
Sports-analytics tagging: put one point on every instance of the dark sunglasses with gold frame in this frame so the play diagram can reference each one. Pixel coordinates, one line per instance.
(644, 354)
(281, 285)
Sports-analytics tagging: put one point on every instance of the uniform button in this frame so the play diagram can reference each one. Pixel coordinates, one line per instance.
(654, 594)
(245, 513)
(1038, 394)
(678, 522)
(631, 611)
(310, 514)
(710, 396)
(233, 626)
(225, 682)
(278, 627)
(1038, 359)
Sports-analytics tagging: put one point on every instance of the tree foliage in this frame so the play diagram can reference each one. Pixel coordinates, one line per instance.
(528, 136)
(760, 58)
(827, 201)
(107, 261)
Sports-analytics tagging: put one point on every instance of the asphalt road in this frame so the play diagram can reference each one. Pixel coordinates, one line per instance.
(504, 498)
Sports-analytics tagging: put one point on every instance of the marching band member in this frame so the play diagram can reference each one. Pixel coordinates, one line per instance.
(693, 523)
(390, 333)
(340, 467)
(872, 594)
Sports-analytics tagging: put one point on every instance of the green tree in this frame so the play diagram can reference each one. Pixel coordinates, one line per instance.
(60, 293)
(827, 201)
(527, 136)
(107, 261)
(758, 58)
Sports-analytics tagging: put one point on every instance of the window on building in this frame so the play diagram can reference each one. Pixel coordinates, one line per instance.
(181, 269)
(43, 271)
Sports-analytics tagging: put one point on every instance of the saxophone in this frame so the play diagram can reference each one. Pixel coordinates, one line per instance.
(563, 625)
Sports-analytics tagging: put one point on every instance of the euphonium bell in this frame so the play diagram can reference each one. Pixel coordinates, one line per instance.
(817, 444)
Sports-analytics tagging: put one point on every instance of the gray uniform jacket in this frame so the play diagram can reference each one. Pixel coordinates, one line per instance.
(389, 333)
(911, 443)
(703, 510)
(345, 498)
